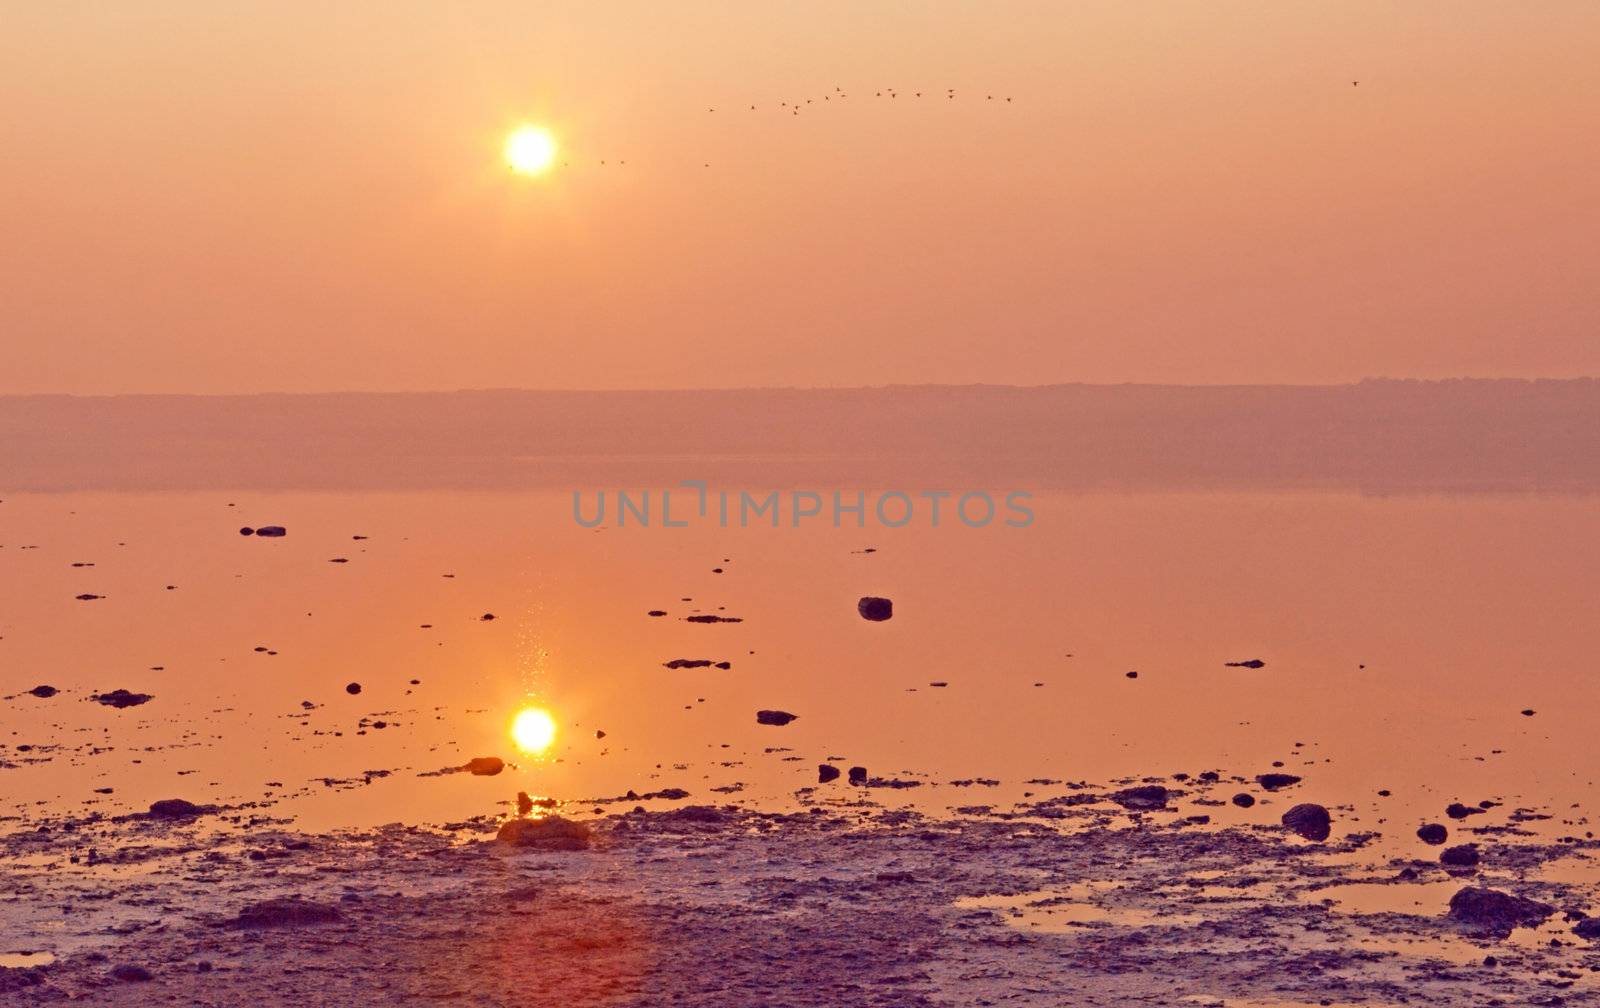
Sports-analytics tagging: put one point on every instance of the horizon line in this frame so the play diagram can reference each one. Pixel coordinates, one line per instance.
(888, 386)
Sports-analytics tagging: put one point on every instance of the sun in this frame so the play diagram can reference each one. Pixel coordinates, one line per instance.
(533, 730)
(530, 150)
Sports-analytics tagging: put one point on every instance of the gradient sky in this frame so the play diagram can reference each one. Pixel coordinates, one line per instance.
(242, 197)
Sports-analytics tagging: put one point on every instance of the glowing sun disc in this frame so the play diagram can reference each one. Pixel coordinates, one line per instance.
(533, 730)
(530, 150)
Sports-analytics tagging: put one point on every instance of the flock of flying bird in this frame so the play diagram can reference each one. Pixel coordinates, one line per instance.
(839, 94)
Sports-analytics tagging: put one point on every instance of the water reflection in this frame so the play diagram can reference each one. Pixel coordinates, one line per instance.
(533, 730)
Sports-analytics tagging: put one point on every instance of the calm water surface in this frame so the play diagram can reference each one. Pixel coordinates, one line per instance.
(1402, 636)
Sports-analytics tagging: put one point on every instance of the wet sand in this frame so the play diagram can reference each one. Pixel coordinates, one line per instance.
(1061, 902)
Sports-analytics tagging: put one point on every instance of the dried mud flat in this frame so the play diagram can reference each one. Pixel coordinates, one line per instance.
(1062, 902)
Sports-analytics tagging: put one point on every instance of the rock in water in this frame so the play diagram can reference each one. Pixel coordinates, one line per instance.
(247, 530)
(1432, 834)
(524, 803)
(1456, 810)
(858, 775)
(1146, 798)
(352, 688)
(177, 808)
(131, 974)
(291, 911)
(120, 698)
(827, 773)
(44, 692)
(1588, 929)
(1492, 912)
(1463, 856)
(272, 531)
(873, 608)
(776, 718)
(1309, 820)
(1274, 781)
(1244, 800)
(1249, 663)
(551, 833)
(485, 766)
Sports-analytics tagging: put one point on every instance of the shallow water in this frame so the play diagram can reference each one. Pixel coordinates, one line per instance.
(1402, 637)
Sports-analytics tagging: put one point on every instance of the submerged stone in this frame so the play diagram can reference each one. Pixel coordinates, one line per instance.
(1275, 781)
(1462, 856)
(1309, 820)
(551, 833)
(120, 698)
(874, 608)
(1493, 912)
(1432, 834)
(1145, 798)
(177, 808)
(289, 911)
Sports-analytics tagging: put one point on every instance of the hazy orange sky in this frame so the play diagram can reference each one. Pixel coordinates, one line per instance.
(239, 197)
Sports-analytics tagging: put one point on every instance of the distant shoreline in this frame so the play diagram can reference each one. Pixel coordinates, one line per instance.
(1372, 436)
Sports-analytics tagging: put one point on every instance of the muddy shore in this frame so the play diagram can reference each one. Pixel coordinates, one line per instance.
(1061, 902)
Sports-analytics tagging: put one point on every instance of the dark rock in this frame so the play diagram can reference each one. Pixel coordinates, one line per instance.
(1588, 929)
(86, 597)
(1309, 820)
(1456, 810)
(485, 766)
(1489, 911)
(1433, 834)
(272, 531)
(876, 609)
(599, 733)
(776, 718)
(1275, 781)
(486, 617)
(128, 973)
(524, 803)
(247, 530)
(1131, 675)
(290, 911)
(1250, 663)
(1244, 800)
(713, 618)
(656, 612)
(1462, 856)
(1145, 798)
(683, 663)
(352, 688)
(858, 775)
(695, 814)
(44, 692)
(120, 698)
(827, 773)
(552, 833)
(177, 808)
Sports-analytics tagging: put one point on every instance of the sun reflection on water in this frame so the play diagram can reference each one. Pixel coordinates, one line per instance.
(533, 730)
